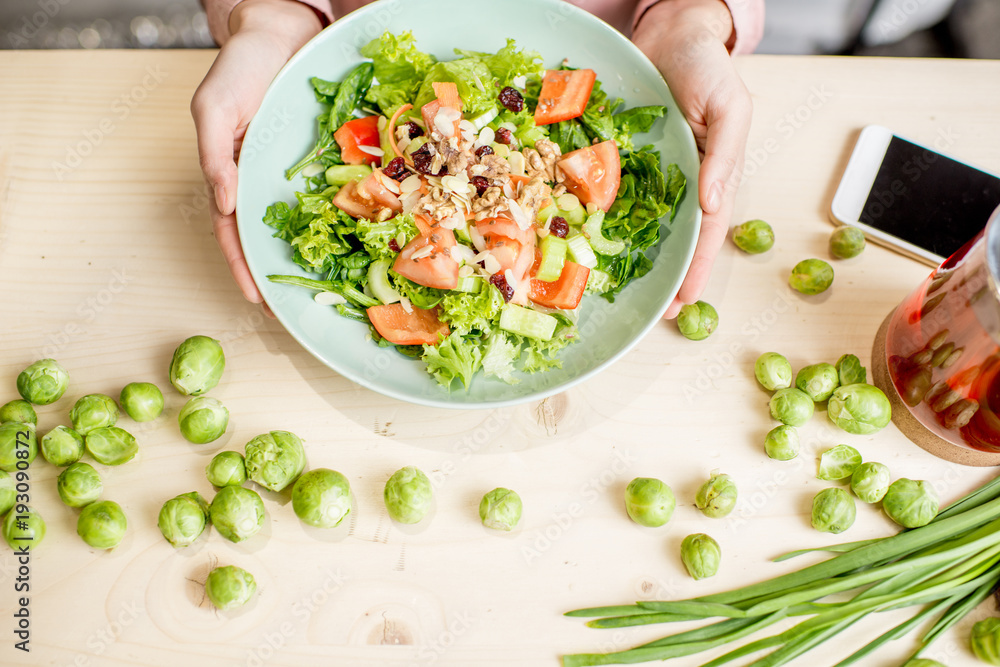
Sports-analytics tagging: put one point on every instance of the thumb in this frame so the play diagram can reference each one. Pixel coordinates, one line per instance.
(216, 141)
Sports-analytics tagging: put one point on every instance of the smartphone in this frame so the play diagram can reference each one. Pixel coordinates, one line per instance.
(913, 198)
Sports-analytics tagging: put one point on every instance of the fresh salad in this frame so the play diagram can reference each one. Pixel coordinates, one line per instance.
(464, 208)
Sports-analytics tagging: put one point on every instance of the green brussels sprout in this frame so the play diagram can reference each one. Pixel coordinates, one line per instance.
(229, 587)
(321, 497)
(818, 381)
(93, 411)
(8, 492)
(102, 524)
(861, 409)
(846, 242)
(18, 442)
(649, 502)
(791, 406)
(142, 401)
(43, 382)
(850, 370)
(838, 462)
(276, 459)
(23, 528)
(911, 503)
(197, 365)
(782, 443)
(237, 513)
(811, 276)
(697, 321)
(408, 495)
(500, 509)
(18, 411)
(61, 446)
(753, 236)
(203, 419)
(870, 481)
(923, 662)
(226, 469)
(773, 371)
(79, 484)
(717, 497)
(111, 445)
(701, 555)
(183, 518)
(833, 511)
(985, 640)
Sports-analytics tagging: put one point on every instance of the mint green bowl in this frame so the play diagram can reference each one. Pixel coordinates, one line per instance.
(284, 130)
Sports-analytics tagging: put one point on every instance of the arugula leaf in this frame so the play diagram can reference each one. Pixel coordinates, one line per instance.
(400, 68)
(453, 358)
(633, 121)
(325, 90)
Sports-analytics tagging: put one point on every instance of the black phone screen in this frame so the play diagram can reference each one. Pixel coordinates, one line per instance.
(928, 199)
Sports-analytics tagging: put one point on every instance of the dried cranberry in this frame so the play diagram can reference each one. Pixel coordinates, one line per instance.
(498, 281)
(393, 246)
(503, 135)
(483, 150)
(480, 183)
(413, 130)
(510, 98)
(396, 169)
(422, 161)
(559, 227)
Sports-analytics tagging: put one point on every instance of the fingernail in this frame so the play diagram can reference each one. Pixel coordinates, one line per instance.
(714, 198)
(220, 197)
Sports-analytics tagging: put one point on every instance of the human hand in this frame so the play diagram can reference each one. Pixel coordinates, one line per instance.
(686, 40)
(265, 34)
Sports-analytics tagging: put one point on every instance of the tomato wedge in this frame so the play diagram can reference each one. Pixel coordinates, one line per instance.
(373, 187)
(350, 201)
(593, 173)
(418, 327)
(504, 226)
(432, 268)
(447, 97)
(355, 133)
(564, 94)
(566, 292)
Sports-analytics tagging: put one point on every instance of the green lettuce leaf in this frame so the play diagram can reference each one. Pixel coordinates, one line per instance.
(501, 353)
(540, 355)
(472, 78)
(466, 312)
(376, 235)
(453, 358)
(508, 63)
(400, 68)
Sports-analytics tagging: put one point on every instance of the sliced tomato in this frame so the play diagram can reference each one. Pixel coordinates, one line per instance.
(417, 327)
(593, 173)
(350, 201)
(564, 94)
(373, 187)
(355, 133)
(566, 292)
(504, 226)
(447, 97)
(434, 269)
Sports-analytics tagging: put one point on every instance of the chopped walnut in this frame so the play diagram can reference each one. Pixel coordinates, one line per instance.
(490, 204)
(384, 214)
(437, 204)
(558, 190)
(495, 167)
(532, 194)
(540, 161)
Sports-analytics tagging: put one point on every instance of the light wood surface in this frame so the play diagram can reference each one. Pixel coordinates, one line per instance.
(107, 262)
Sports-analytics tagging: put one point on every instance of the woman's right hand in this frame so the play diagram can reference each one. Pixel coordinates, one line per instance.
(265, 34)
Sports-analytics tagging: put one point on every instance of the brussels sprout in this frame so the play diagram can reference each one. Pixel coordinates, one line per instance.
(985, 640)
(911, 503)
(833, 511)
(203, 419)
(93, 411)
(697, 321)
(18, 411)
(226, 469)
(8, 492)
(321, 497)
(79, 484)
(838, 462)
(61, 446)
(860, 409)
(237, 513)
(791, 406)
(870, 481)
(818, 381)
(23, 528)
(701, 555)
(197, 365)
(717, 497)
(923, 662)
(274, 460)
(18, 442)
(649, 501)
(408, 495)
(753, 236)
(500, 509)
(782, 443)
(811, 276)
(142, 401)
(229, 587)
(846, 242)
(102, 524)
(43, 382)
(850, 370)
(773, 371)
(111, 445)
(183, 518)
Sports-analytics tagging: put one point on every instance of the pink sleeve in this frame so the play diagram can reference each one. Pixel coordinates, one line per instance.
(748, 23)
(218, 12)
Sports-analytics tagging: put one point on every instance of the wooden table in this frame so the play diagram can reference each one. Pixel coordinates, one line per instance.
(107, 262)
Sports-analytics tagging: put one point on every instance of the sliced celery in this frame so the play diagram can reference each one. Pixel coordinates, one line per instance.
(598, 281)
(592, 229)
(574, 216)
(527, 322)
(340, 174)
(553, 258)
(470, 284)
(378, 281)
(580, 251)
